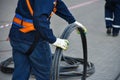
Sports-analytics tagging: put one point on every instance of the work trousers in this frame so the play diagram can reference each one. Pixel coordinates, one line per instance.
(38, 63)
(112, 15)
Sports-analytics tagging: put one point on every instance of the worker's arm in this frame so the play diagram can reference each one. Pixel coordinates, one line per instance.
(42, 9)
(63, 12)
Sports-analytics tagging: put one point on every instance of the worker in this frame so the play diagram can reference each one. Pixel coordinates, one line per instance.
(112, 17)
(32, 18)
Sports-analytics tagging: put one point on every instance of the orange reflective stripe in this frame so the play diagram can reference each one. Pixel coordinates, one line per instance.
(17, 20)
(31, 10)
(55, 4)
(27, 25)
(54, 9)
(29, 7)
(27, 29)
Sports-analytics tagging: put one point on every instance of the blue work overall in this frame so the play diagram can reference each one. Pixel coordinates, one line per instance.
(112, 15)
(39, 62)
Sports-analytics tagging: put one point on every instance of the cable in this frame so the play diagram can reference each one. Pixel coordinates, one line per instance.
(117, 77)
(4, 66)
(73, 63)
(88, 68)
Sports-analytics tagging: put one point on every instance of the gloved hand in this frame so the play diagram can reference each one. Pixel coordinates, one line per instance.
(61, 43)
(83, 27)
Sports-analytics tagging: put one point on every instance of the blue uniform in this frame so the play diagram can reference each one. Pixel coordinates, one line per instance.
(112, 15)
(39, 62)
(117, 1)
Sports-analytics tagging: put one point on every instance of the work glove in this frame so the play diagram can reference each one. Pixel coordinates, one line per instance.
(61, 43)
(83, 27)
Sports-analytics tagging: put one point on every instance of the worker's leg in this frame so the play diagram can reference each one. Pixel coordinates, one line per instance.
(116, 23)
(41, 60)
(21, 61)
(108, 16)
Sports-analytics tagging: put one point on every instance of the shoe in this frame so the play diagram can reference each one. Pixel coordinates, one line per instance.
(108, 31)
(115, 34)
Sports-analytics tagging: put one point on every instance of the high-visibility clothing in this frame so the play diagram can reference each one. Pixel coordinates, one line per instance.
(28, 26)
(25, 24)
(112, 14)
(39, 62)
(42, 10)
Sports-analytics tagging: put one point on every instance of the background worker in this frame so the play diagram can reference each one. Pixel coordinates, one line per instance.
(36, 13)
(112, 17)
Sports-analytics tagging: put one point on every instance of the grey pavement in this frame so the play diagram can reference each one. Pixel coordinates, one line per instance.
(103, 50)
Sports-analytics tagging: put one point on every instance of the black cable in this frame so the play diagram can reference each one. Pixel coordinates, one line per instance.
(4, 66)
(73, 63)
(117, 77)
(88, 68)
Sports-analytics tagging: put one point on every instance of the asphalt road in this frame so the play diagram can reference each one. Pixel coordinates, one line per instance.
(103, 50)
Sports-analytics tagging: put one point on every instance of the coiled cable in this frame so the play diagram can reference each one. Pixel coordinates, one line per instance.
(57, 70)
(88, 68)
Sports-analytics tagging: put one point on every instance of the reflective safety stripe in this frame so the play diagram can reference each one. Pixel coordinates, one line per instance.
(110, 19)
(24, 19)
(116, 26)
(26, 23)
(54, 9)
(29, 7)
(31, 10)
